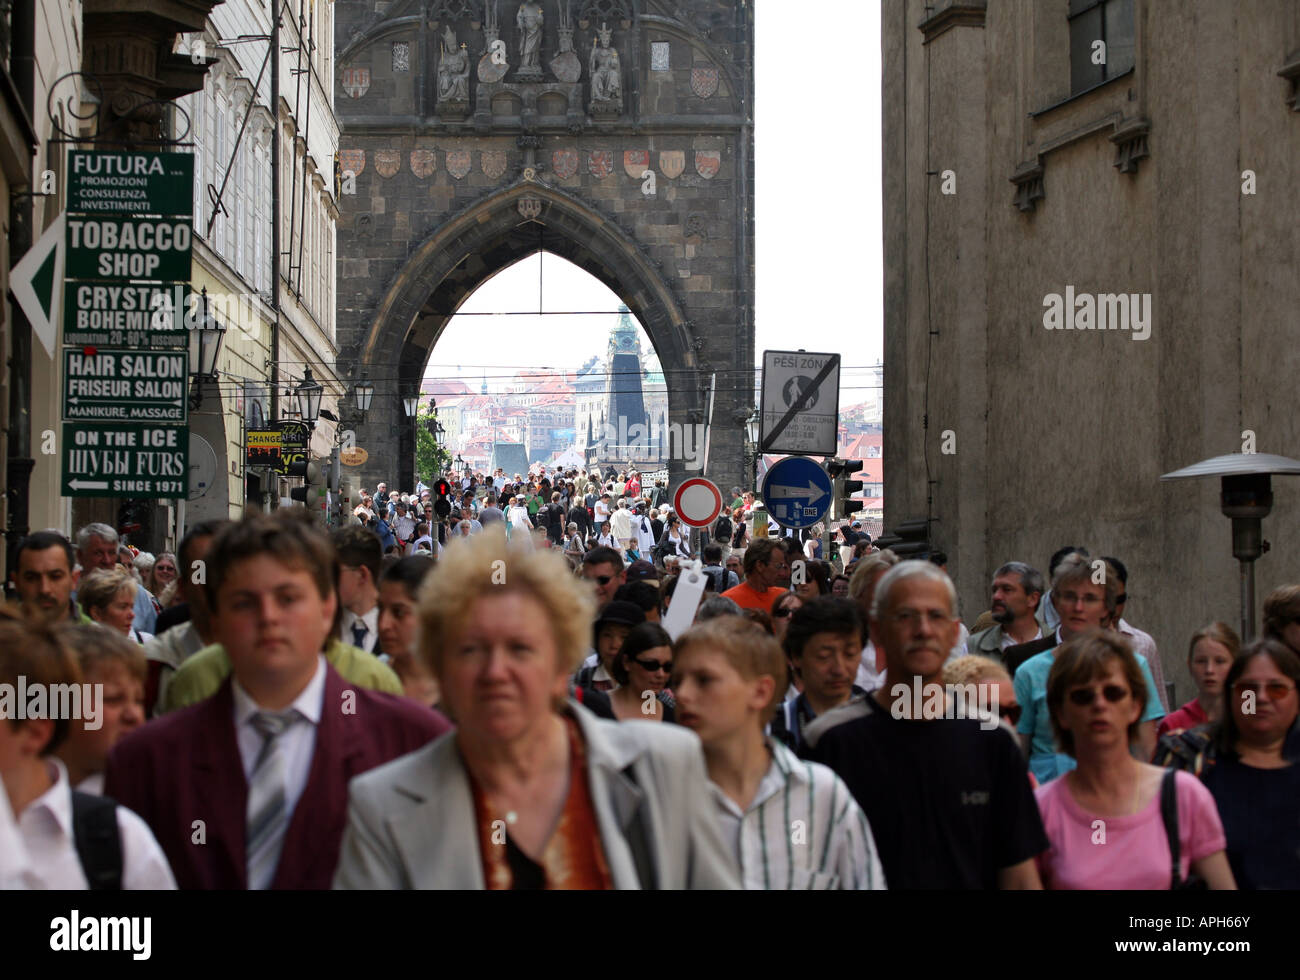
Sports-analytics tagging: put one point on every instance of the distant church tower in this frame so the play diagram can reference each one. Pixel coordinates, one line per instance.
(626, 405)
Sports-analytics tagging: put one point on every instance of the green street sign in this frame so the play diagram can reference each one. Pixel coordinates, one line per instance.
(115, 182)
(125, 385)
(125, 314)
(125, 459)
(128, 248)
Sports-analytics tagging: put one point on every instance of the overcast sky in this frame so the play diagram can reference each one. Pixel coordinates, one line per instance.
(818, 224)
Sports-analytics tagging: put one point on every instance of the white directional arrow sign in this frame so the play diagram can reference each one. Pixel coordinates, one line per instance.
(88, 484)
(813, 492)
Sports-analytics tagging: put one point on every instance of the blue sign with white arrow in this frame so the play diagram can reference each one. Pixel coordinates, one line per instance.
(797, 492)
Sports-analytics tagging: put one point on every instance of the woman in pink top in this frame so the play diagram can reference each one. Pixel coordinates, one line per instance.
(1209, 658)
(1103, 819)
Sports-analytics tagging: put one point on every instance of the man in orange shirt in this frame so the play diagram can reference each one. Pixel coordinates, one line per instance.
(767, 575)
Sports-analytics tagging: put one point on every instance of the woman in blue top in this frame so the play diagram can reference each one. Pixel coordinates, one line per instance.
(1082, 605)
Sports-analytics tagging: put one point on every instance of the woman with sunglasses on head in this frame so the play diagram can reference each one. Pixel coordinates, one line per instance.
(1114, 822)
(642, 668)
(1253, 775)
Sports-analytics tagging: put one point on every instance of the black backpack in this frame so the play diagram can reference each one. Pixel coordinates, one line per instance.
(99, 846)
(722, 530)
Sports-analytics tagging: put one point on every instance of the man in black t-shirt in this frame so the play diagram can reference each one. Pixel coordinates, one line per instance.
(948, 798)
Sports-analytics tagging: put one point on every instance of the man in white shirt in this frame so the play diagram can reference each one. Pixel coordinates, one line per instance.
(620, 525)
(403, 525)
(602, 510)
(38, 794)
(360, 558)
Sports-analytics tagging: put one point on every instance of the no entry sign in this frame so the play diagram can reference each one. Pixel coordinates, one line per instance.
(698, 502)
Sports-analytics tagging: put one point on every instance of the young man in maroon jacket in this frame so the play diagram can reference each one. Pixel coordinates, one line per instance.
(248, 789)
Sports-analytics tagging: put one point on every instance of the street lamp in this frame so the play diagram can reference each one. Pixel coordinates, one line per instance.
(364, 392)
(460, 465)
(308, 394)
(1246, 497)
(204, 347)
(751, 447)
(411, 403)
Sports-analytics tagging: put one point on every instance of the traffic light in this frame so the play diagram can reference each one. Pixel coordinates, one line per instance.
(911, 539)
(442, 506)
(843, 490)
(313, 482)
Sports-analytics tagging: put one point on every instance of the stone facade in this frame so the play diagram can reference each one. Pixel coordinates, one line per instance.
(1134, 185)
(443, 197)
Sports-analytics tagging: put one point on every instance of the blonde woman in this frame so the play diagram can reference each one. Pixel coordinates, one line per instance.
(531, 791)
(108, 598)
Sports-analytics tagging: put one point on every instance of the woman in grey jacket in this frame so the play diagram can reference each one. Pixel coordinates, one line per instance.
(531, 790)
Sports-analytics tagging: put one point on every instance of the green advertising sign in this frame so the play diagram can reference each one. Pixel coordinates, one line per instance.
(116, 182)
(124, 314)
(125, 385)
(128, 248)
(125, 459)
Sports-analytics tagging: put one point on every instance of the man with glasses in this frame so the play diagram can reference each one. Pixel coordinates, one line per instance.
(948, 800)
(767, 575)
(1082, 604)
(824, 644)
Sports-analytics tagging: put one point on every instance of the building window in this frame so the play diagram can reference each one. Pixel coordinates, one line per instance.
(1101, 42)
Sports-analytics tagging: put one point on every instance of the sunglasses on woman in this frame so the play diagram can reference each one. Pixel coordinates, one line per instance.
(650, 666)
(1274, 690)
(1084, 696)
(783, 612)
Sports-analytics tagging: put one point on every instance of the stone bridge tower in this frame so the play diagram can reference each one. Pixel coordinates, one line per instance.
(617, 134)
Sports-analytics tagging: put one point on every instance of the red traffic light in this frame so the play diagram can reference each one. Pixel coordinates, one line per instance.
(441, 488)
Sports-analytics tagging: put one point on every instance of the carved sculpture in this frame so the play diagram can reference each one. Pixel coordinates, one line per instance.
(606, 76)
(529, 20)
(453, 71)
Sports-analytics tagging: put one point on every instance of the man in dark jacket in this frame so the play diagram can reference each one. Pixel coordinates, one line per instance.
(552, 515)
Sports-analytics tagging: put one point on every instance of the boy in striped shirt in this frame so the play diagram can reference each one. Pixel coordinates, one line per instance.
(791, 824)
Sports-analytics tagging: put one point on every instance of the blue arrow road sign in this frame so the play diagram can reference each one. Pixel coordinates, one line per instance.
(797, 492)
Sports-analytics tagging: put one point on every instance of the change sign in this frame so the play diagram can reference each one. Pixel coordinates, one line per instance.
(98, 314)
(111, 182)
(125, 459)
(128, 248)
(125, 385)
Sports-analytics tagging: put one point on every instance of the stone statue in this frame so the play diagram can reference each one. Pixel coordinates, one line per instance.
(529, 20)
(453, 70)
(606, 74)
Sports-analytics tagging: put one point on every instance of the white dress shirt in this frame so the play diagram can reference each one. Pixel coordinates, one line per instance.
(45, 826)
(370, 620)
(16, 871)
(869, 679)
(1145, 644)
(297, 743)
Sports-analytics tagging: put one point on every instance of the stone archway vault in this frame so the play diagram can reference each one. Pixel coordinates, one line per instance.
(465, 251)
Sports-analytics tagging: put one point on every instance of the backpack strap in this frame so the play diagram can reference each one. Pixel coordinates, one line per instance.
(98, 843)
(1169, 814)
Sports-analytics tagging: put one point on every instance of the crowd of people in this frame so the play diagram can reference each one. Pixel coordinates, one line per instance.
(507, 701)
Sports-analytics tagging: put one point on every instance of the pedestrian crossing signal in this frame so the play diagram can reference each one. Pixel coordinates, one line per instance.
(442, 506)
(843, 490)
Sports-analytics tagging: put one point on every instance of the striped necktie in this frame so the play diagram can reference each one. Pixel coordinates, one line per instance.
(268, 814)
